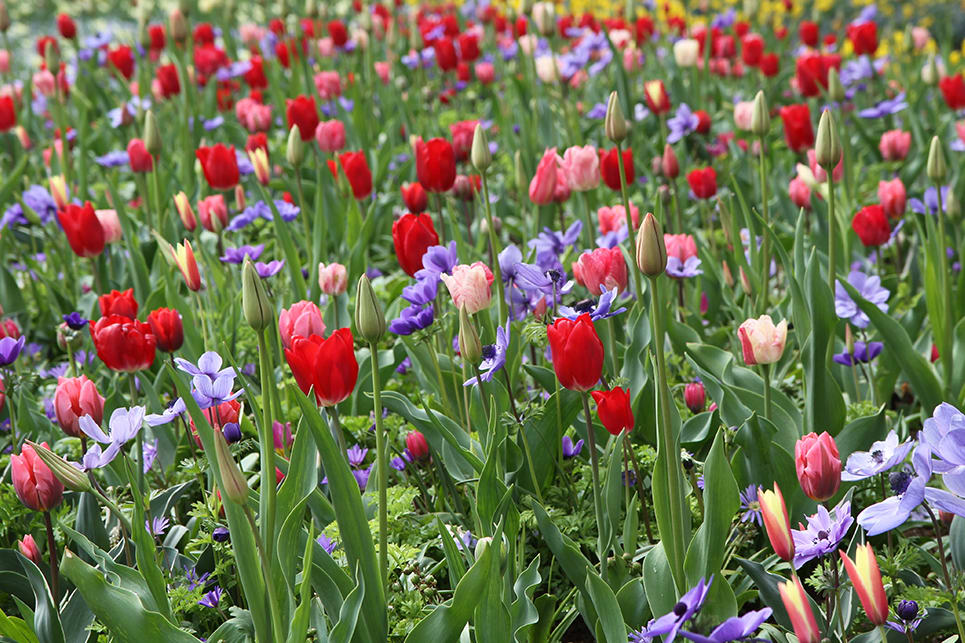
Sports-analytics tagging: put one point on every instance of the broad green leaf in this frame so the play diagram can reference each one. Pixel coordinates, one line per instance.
(46, 620)
(658, 581)
(822, 401)
(607, 607)
(348, 616)
(523, 611)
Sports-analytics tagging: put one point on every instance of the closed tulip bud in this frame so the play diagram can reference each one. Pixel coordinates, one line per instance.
(178, 25)
(185, 211)
(930, 73)
(522, 181)
(866, 578)
(798, 608)
(69, 476)
(152, 136)
(745, 281)
(52, 56)
(835, 88)
(668, 162)
(58, 190)
(818, 466)
(480, 155)
(936, 168)
(728, 275)
(615, 124)
(4, 17)
(776, 524)
(28, 547)
(827, 147)
(188, 265)
(497, 225)
(259, 161)
(295, 151)
(544, 15)
(651, 248)
(760, 116)
(469, 345)
(695, 397)
(254, 299)
(233, 484)
(369, 318)
(723, 210)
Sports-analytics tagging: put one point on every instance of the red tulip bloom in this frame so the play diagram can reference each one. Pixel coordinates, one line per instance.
(122, 59)
(255, 77)
(864, 38)
(412, 235)
(123, 344)
(809, 33)
(138, 156)
(953, 91)
(326, 365)
(66, 27)
(797, 126)
(168, 330)
(414, 196)
(74, 398)
(656, 96)
(468, 47)
(83, 229)
(811, 72)
(356, 168)
(338, 33)
(818, 466)
(577, 352)
(203, 34)
(445, 54)
(871, 225)
(703, 121)
(8, 114)
(703, 182)
(752, 49)
(770, 65)
(301, 113)
(46, 41)
(118, 303)
(167, 78)
(157, 36)
(220, 166)
(610, 167)
(416, 445)
(35, 484)
(435, 164)
(613, 407)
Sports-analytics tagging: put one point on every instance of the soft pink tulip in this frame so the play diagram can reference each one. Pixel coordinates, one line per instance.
(74, 398)
(4, 61)
(485, 72)
(891, 195)
(328, 84)
(743, 113)
(45, 83)
(35, 484)
(543, 185)
(761, 341)
(253, 116)
(332, 278)
(326, 47)
(818, 466)
(894, 145)
(330, 135)
(213, 213)
(613, 218)
(820, 175)
(604, 268)
(110, 224)
(469, 286)
(301, 320)
(251, 34)
(681, 246)
(382, 70)
(28, 547)
(800, 193)
(920, 37)
(581, 166)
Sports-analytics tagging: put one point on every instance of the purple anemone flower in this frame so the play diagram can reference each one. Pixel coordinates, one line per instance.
(571, 450)
(750, 505)
(886, 107)
(824, 532)
(670, 623)
(682, 123)
(10, 349)
(882, 456)
(494, 356)
(736, 628)
(212, 598)
(269, 269)
(870, 288)
(863, 353)
(356, 455)
(326, 543)
(237, 255)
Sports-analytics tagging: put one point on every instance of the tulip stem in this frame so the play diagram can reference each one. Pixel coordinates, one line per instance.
(643, 496)
(832, 234)
(383, 471)
(274, 607)
(766, 371)
(140, 445)
(948, 581)
(267, 492)
(626, 210)
(766, 243)
(54, 568)
(11, 403)
(947, 330)
(494, 252)
(595, 469)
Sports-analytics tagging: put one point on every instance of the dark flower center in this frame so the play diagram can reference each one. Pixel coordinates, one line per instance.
(899, 481)
(878, 456)
(680, 608)
(822, 535)
(554, 275)
(489, 351)
(584, 306)
(907, 610)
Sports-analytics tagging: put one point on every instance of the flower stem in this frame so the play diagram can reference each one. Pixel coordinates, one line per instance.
(947, 329)
(766, 371)
(595, 469)
(832, 234)
(766, 244)
(382, 466)
(54, 568)
(494, 252)
(643, 496)
(267, 494)
(276, 623)
(626, 207)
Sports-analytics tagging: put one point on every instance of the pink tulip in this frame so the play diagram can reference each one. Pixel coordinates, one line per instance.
(301, 320)
(4, 61)
(485, 72)
(613, 218)
(469, 286)
(800, 193)
(669, 163)
(581, 166)
(45, 83)
(253, 116)
(761, 341)
(28, 547)
(891, 195)
(820, 175)
(604, 268)
(213, 213)
(328, 84)
(818, 466)
(894, 145)
(382, 69)
(332, 278)
(330, 135)
(743, 113)
(543, 185)
(74, 398)
(326, 47)
(682, 246)
(35, 484)
(110, 224)
(281, 434)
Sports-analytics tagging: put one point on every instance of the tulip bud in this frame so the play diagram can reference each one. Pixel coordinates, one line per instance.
(28, 547)
(497, 225)
(760, 116)
(522, 181)
(930, 72)
(544, 15)
(953, 207)
(728, 275)
(651, 248)
(936, 169)
(4, 17)
(152, 136)
(480, 155)
(469, 344)
(827, 148)
(52, 56)
(369, 318)
(835, 88)
(745, 282)
(695, 397)
(185, 211)
(70, 476)
(295, 151)
(254, 299)
(178, 26)
(615, 124)
(233, 484)
(58, 190)
(669, 163)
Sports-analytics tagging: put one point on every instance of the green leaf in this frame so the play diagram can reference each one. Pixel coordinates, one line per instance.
(348, 616)
(492, 617)
(633, 603)
(16, 629)
(523, 611)
(605, 601)
(46, 620)
(658, 581)
(770, 595)
(822, 395)
(859, 434)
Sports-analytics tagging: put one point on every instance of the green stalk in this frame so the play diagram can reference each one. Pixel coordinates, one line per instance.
(383, 471)
(494, 253)
(626, 208)
(140, 446)
(947, 330)
(766, 244)
(766, 372)
(595, 468)
(274, 607)
(832, 233)
(948, 581)
(266, 501)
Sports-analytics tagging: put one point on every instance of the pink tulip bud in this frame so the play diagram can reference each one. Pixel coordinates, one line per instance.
(581, 167)
(613, 218)
(818, 466)
(4, 61)
(28, 547)
(894, 145)
(303, 319)
(891, 195)
(695, 397)
(332, 278)
(543, 185)
(330, 135)
(282, 434)
(470, 286)
(603, 268)
(800, 193)
(213, 213)
(110, 224)
(416, 445)
(671, 168)
(183, 206)
(35, 484)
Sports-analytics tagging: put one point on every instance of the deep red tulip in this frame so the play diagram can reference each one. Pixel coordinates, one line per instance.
(864, 38)
(613, 407)
(468, 47)
(770, 65)
(435, 163)
(123, 344)
(752, 49)
(797, 126)
(445, 54)
(66, 27)
(811, 72)
(414, 196)
(695, 397)
(118, 303)
(167, 78)
(703, 182)
(356, 168)
(302, 113)
(577, 352)
(416, 445)
(203, 34)
(8, 114)
(412, 235)
(338, 33)
(35, 484)
(818, 466)
(610, 168)
(138, 156)
(122, 59)
(953, 91)
(168, 330)
(703, 121)
(83, 229)
(255, 77)
(462, 134)
(871, 225)
(326, 365)
(809, 33)
(46, 41)
(158, 37)
(220, 166)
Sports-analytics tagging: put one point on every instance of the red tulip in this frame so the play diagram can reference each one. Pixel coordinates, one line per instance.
(416, 445)
(138, 156)
(703, 121)
(356, 168)
(610, 167)
(577, 352)
(414, 197)
(36, 486)
(871, 225)
(167, 77)
(302, 113)
(326, 365)
(752, 49)
(28, 547)
(220, 166)
(809, 33)
(703, 182)
(818, 466)
(8, 114)
(412, 235)
(776, 524)
(695, 397)
(157, 36)
(122, 59)
(864, 38)
(118, 303)
(770, 64)
(337, 32)
(462, 134)
(435, 163)
(255, 77)
(83, 229)
(168, 330)
(811, 72)
(953, 91)
(613, 407)
(468, 47)
(797, 127)
(123, 344)
(445, 54)
(656, 96)
(74, 398)
(603, 268)
(66, 27)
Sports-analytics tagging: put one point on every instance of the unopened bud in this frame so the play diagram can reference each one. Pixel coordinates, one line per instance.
(669, 163)
(651, 248)
(497, 225)
(469, 345)
(480, 155)
(295, 151)
(178, 26)
(522, 181)
(728, 275)
(745, 282)
(827, 148)
(234, 487)
(70, 476)
(254, 299)
(52, 56)
(835, 88)
(615, 124)
(4, 17)
(240, 204)
(936, 169)
(152, 136)
(369, 318)
(760, 116)
(259, 161)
